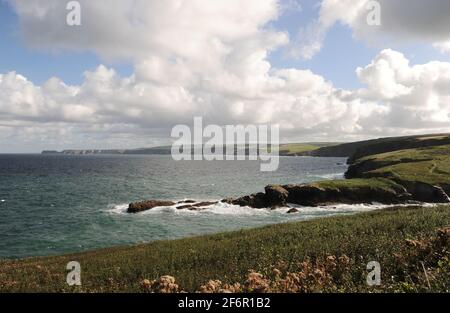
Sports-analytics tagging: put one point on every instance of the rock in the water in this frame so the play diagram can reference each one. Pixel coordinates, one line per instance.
(276, 196)
(186, 201)
(257, 201)
(315, 195)
(147, 205)
(293, 210)
(196, 206)
(309, 195)
(206, 203)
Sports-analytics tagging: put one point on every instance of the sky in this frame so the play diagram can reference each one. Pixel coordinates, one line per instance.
(134, 69)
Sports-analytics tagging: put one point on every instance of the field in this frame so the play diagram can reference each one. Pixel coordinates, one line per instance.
(291, 149)
(325, 255)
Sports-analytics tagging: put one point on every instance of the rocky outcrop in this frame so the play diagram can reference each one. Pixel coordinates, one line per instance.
(137, 207)
(314, 195)
(293, 210)
(186, 201)
(186, 206)
(196, 206)
(276, 196)
(191, 205)
(419, 190)
(257, 201)
(425, 192)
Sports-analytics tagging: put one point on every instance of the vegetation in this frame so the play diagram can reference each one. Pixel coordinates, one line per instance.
(429, 165)
(325, 255)
(329, 254)
(360, 149)
(292, 149)
(359, 183)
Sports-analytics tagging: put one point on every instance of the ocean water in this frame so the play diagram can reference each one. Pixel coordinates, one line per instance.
(53, 204)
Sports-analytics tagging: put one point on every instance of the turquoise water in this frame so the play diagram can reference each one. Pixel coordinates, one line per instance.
(52, 204)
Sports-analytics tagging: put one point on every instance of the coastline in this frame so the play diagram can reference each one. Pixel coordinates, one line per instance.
(200, 261)
(413, 183)
(418, 174)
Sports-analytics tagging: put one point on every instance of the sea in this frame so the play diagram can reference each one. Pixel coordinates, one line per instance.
(57, 204)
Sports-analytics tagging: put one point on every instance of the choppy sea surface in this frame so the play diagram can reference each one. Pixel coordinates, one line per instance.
(53, 204)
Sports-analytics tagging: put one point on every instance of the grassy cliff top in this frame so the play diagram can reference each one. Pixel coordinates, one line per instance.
(358, 183)
(429, 165)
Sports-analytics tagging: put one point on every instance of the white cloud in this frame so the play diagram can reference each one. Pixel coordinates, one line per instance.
(402, 21)
(418, 96)
(192, 59)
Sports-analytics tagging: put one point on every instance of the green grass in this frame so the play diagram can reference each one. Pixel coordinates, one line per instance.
(293, 148)
(378, 235)
(290, 149)
(429, 165)
(358, 183)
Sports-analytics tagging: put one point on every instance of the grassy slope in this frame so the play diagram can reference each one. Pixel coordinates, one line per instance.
(363, 237)
(428, 165)
(356, 150)
(358, 183)
(291, 149)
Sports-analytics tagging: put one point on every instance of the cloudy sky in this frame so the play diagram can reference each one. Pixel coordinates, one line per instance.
(136, 68)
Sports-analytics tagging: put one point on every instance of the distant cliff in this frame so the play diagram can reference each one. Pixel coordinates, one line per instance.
(357, 150)
(353, 150)
(155, 150)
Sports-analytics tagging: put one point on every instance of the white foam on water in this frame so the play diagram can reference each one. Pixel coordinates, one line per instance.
(331, 176)
(118, 209)
(222, 208)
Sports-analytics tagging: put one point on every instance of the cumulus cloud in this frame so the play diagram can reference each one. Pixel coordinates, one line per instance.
(417, 95)
(192, 58)
(401, 21)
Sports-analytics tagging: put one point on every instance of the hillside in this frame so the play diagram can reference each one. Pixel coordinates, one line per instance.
(154, 150)
(299, 149)
(359, 149)
(288, 149)
(324, 255)
(397, 177)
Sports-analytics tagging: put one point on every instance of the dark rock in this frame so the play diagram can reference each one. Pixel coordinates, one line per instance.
(257, 201)
(227, 200)
(147, 205)
(206, 203)
(276, 196)
(310, 195)
(293, 210)
(314, 195)
(405, 197)
(186, 201)
(425, 192)
(196, 206)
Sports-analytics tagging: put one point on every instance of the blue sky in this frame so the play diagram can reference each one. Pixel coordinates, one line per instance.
(39, 66)
(92, 104)
(337, 61)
